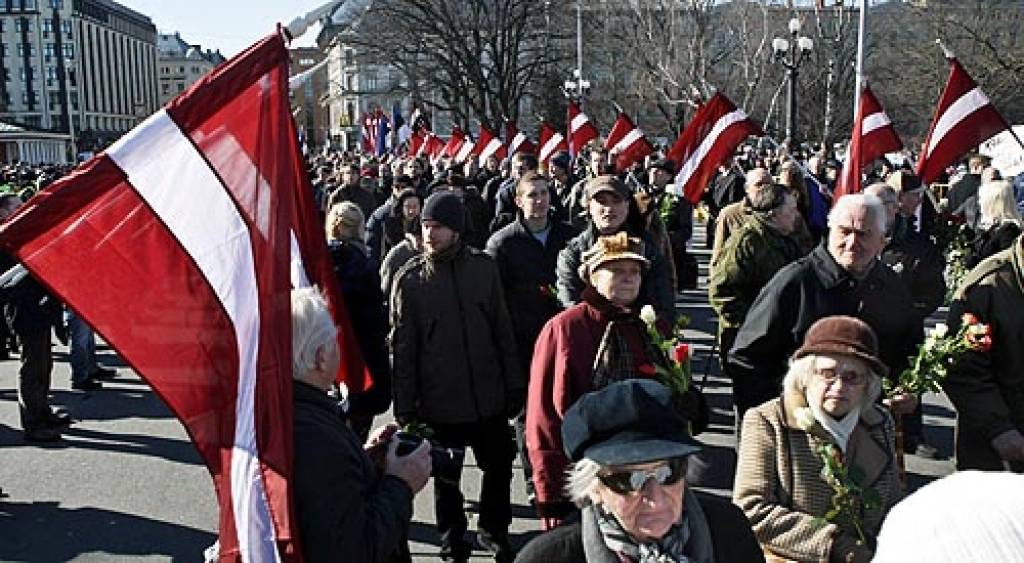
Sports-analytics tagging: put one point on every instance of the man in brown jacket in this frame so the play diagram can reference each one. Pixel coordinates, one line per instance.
(988, 387)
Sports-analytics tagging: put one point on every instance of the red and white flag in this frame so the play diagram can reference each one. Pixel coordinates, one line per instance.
(201, 220)
(581, 130)
(516, 140)
(551, 142)
(369, 131)
(713, 134)
(416, 142)
(454, 143)
(873, 136)
(431, 146)
(964, 119)
(465, 149)
(627, 143)
(489, 144)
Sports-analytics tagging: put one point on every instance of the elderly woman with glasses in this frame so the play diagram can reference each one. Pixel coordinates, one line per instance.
(828, 411)
(632, 451)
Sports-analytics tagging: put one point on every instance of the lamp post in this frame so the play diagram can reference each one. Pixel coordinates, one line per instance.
(790, 54)
(577, 83)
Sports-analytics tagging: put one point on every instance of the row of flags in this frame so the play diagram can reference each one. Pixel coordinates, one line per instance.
(195, 296)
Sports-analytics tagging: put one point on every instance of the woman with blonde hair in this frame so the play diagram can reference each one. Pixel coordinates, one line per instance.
(1000, 222)
(359, 278)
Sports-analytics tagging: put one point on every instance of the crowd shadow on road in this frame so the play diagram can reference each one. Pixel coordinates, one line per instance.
(170, 449)
(74, 532)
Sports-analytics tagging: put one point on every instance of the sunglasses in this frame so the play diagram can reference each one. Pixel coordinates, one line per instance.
(627, 482)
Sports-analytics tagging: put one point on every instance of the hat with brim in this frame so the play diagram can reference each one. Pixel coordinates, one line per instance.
(843, 336)
(610, 248)
(607, 183)
(627, 422)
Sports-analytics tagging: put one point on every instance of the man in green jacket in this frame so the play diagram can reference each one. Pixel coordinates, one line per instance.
(751, 257)
(987, 388)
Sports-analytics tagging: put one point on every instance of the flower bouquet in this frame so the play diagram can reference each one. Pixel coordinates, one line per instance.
(939, 354)
(676, 376)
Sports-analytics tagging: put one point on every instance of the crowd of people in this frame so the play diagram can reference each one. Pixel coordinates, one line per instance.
(498, 305)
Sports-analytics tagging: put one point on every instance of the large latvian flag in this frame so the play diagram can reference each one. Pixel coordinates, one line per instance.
(180, 244)
(964, 119)
(714, 133)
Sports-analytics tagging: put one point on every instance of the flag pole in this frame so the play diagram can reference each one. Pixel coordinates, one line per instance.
(861, 30)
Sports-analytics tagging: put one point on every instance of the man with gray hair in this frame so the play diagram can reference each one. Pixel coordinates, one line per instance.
(345, 501)
(842, 276)
(735, 215)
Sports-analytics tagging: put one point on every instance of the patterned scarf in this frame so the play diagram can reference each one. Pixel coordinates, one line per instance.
(689, 541)
(615, 359)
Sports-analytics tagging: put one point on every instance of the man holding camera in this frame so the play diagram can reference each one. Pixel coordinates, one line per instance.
(456, 369)
(350, 502)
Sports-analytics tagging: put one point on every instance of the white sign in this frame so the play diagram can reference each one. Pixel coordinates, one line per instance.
(1006, 153)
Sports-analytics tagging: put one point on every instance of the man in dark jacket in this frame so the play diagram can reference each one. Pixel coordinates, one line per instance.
(377, 235)
(611, 205)
(967, 186)
(31, 312)
(456, 368)
(352, 189)
(526, 252)
(344, 502)
(917, 262)
(843, 276)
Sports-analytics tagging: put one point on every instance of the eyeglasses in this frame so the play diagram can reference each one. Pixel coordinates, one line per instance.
(628, 482)
(848, 377)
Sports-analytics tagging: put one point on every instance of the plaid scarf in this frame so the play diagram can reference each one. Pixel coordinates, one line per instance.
(615, 359)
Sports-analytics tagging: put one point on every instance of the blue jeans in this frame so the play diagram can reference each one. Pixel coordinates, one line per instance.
(82, 342)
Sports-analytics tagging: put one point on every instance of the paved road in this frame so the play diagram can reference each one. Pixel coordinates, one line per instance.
(126, 485)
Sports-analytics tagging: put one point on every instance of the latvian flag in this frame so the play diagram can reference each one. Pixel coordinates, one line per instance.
(713, 134)
(964, 119)
(581, 130)
(201, 220)
(873, 136)
(454, 143)
(465, 149)
(432, 146)
(551, 141)
(516, 140)
(627, 143)
(489, 145)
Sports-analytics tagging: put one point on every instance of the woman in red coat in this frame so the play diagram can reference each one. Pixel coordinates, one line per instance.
(597, 341)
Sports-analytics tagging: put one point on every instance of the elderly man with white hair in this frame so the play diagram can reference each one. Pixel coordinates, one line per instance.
(345, 502)
(842, 276)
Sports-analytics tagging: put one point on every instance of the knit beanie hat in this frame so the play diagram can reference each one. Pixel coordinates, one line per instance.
(445, 208)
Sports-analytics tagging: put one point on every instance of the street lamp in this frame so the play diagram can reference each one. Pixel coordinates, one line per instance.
(578, 84)
(790, 54)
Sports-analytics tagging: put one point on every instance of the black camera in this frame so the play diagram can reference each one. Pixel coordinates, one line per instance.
(445, 462)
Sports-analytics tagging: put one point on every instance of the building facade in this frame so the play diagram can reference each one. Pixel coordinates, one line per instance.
(309, 99)
(180, 64)
(88, 62)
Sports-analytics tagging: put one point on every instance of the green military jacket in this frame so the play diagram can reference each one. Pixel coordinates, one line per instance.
(987, 388)
(748, 261)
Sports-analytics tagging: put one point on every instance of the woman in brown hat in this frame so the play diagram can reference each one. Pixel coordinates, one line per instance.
(828, 412)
